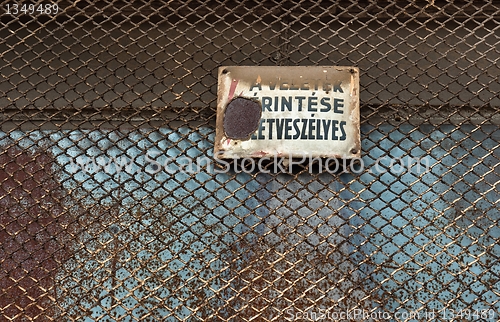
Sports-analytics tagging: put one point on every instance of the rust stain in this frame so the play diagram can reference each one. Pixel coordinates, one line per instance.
(35, 234)
(259, 154)
(268, 279)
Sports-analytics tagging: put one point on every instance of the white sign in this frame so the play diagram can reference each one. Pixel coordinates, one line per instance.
(288, 111)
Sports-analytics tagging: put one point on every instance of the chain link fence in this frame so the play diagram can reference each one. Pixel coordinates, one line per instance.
(85, 83)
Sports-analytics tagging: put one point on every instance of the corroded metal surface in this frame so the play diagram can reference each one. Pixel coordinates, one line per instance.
(103, 104)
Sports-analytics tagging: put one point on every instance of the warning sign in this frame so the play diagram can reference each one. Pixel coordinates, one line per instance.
(288, 111)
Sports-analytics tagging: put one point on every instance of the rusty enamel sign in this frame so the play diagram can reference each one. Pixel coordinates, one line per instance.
(288, 111)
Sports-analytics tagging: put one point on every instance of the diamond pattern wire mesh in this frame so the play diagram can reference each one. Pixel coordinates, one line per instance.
(101, 80)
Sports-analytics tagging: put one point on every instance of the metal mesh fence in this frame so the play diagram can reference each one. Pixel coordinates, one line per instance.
(136, 81)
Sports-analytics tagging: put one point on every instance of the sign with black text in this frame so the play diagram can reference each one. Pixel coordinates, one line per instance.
(288, 111)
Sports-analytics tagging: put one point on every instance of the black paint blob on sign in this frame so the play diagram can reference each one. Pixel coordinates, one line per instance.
(241, 118)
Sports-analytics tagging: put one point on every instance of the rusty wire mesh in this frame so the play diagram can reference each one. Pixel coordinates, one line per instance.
(110, 79)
